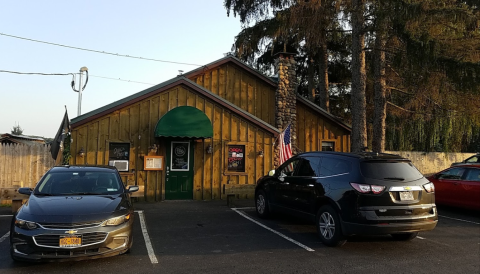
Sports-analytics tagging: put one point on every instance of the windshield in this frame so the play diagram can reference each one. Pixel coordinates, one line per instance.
(387, 170)
(79, 183)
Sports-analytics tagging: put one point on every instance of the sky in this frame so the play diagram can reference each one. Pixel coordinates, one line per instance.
(191, 32)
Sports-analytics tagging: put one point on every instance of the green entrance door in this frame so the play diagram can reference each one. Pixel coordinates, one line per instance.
(179, 171)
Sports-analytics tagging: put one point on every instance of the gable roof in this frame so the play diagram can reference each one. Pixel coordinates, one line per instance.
(236, 61)
(8, 138)
(269, 80)
(183, 80)
(157, 89)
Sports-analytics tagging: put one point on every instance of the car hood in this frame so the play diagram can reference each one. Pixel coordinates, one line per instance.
(72, 209)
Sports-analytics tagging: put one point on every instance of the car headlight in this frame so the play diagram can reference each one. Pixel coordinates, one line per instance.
(117, 220)
(25, 224)
(430, 187)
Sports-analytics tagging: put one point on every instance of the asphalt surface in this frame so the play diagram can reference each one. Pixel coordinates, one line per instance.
(209, 237)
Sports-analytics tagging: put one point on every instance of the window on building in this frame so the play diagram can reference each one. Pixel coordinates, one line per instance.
(328, 146)
(119, 155)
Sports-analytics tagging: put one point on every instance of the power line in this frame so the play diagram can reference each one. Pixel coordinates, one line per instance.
(36, 73)
(63, 74)
(98, 51)
(118, 79)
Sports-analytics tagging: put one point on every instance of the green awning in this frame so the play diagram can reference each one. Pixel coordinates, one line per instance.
(184, 121)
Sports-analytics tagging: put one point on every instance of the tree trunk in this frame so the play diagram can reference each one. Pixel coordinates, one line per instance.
(323, 74)
(380, 107)
(311, 81)
(359, 76)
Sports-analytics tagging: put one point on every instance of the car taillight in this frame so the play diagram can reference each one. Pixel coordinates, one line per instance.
(429, 188)
(377, 189)
(364, 188)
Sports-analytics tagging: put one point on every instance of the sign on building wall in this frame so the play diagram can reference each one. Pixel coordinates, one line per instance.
(118, 151)
(153, 163)
(236, 158)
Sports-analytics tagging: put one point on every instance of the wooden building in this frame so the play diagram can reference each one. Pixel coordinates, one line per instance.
(216, 125)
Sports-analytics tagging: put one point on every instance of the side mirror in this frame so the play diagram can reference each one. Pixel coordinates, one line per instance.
(131, 189)
(25, 190)
(271, 172)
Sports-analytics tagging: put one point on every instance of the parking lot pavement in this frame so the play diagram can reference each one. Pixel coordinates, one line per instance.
(209, 237)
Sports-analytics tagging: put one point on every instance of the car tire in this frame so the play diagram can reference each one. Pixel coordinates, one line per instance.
(261, 204)
(328, 227)
(404, 236)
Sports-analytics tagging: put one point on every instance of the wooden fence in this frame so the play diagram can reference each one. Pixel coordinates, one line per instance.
(23, 165)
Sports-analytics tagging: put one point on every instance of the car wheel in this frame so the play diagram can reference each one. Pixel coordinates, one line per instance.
(404, 236)
(261, 204)
(328, 227)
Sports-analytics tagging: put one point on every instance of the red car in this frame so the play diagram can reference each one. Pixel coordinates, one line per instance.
(458, 186)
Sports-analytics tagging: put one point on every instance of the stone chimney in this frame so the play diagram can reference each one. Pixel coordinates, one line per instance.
(286, 99)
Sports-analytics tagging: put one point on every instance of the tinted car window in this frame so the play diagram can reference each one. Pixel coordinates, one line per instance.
(289, 168)
(77, 182)
(452, 174)
(473, 174)
(332, 166)
(309, 167)
(388, 170)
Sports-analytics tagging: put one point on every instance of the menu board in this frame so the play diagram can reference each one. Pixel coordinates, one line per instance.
(119, 151)
(236, 158)
(153, 163)
(180, 156)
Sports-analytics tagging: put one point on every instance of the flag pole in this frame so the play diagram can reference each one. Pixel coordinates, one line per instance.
(280, 134)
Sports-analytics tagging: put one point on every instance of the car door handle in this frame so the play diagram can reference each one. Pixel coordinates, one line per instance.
(310, 185)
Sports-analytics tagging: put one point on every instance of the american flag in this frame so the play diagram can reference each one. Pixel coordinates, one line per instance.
(285, 145)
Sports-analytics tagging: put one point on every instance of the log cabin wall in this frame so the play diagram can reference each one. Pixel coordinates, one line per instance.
(312, 129)
(135, 124)
(241, 88)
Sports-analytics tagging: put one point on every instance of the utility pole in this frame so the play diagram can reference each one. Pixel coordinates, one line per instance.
(80, 89)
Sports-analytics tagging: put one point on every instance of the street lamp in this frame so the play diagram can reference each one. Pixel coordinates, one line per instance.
(80, 89)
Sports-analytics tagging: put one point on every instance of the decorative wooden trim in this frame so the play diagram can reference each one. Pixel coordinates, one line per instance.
(150, 163)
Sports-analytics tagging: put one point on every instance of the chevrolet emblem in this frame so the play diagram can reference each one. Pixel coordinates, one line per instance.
(71, 232)
(407, 188)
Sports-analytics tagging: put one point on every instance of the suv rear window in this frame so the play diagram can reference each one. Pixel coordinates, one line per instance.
(390, 170)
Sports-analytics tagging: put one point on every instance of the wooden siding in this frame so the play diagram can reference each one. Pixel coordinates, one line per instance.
(136, 123)
(241, 88)
(23, 165)
(312, 129)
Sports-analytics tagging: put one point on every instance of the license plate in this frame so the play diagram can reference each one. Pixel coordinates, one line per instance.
(70, 241)
(406, 196)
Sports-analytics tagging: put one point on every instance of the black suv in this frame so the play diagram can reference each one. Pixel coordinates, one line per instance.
(351, 193)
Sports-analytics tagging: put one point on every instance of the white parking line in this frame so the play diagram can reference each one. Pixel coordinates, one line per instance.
(148, 243)
(4, 237)
(459, 220)
(274, 231)
(421, 238)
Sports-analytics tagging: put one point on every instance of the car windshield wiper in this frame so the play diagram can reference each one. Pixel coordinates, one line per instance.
(43, 194)
(85, 193)
(394, 178)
